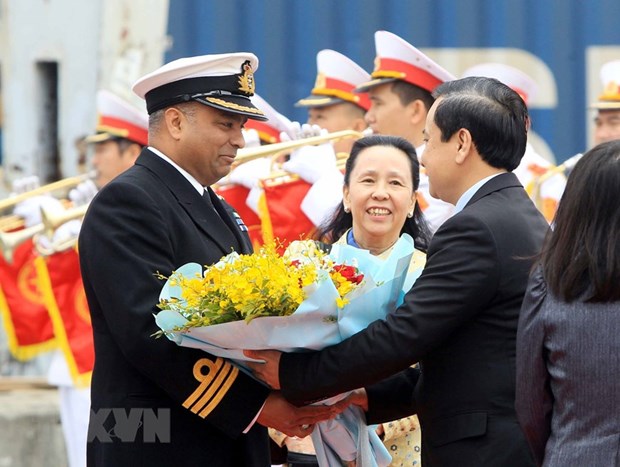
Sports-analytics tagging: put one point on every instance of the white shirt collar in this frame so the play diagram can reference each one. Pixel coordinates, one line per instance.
(199, 188)
(465, 197)
(419, 150)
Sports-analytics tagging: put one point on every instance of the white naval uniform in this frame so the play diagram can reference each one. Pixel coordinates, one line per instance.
(74, 410)
(527, 171)
(545, 192)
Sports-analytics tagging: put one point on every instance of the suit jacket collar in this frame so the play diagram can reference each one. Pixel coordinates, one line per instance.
(504, 180)
(191, 201)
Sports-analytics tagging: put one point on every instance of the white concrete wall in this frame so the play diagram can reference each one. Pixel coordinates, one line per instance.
(133, 41)
(31, 431)
(97, 44)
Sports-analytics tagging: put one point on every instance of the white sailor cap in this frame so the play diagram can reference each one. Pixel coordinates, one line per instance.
(337, 76)
(512, 77)
(269, 131)
(119, 119)
(610, 76)
(397, 59)
(223, 81)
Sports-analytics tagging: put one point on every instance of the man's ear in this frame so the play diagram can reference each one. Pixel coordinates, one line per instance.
(464, 145)
(174, 119)
(417, 111)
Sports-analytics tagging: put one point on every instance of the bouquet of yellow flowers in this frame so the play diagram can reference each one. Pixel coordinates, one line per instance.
(244, 287)
(306, 299)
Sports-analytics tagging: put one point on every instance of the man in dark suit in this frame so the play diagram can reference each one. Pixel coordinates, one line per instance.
(153, 402)
(459, 320)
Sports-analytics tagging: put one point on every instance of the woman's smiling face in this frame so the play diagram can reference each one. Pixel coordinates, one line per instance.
(380, 195)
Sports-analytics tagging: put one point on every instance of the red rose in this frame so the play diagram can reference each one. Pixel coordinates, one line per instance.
(349, 273)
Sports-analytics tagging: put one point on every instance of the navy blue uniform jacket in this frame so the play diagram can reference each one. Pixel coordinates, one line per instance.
(151, 220)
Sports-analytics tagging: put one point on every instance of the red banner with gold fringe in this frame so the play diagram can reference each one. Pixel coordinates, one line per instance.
(63, 293)
(284, 219)
(24, 314)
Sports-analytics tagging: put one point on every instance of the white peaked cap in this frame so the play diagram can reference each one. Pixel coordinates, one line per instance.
(398, 59)
(119, 119)
(335, 65)
(512, 77)
(223, 81)
(337, 76)
(269, 131)
(610, 77)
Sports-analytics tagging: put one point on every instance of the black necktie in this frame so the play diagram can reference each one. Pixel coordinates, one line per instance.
(207, 198)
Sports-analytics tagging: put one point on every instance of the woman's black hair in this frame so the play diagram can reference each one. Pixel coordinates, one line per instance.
(581, 256)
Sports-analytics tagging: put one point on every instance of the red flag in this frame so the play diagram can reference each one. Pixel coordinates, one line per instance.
(63, 293)
(235, 195)
(26, 321)
(284, 220)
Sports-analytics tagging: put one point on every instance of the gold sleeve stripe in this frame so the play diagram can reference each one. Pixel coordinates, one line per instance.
(220, 394)
(205, 379)
(213, 385)
(214, 388)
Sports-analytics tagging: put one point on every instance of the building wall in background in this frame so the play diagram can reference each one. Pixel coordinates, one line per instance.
(54, 56)
(560, 42)
(48, 67)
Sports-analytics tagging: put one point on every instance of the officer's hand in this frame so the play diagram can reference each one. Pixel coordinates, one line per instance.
(249, 173)
(312, 162)
(64, 238)
(293, 421)
(297, 132)
(67, 233)
(251, 137)
(83, 193)
(357, 397)
(24, 184)
(30, 209)
(268, 370)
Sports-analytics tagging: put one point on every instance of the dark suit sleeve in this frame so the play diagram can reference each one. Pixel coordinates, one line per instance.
(460, 278)
(127, 237)
(534, 400)
(392, 398)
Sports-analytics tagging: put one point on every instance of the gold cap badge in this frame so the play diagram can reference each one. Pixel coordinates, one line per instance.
(246, 80)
